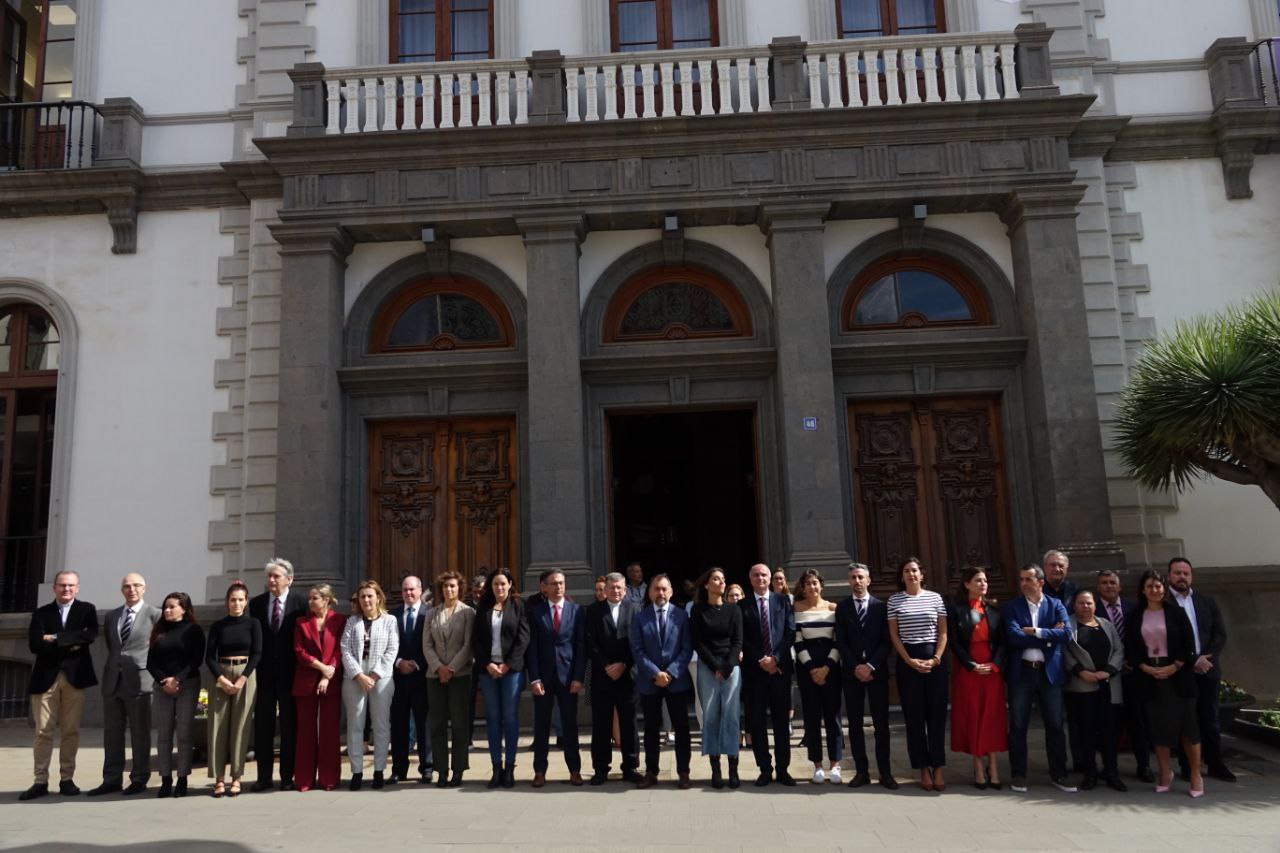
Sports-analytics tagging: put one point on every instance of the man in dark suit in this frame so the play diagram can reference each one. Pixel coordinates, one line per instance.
(862, 638)
(1036, 631)
(1211, 638)
(662, 648)
(613, 685)
(126, 689)
(1119, 611)
(557, 665)
(768, 631)
(60, 635)
(277, 611)
(409, 678)
(1056, 583)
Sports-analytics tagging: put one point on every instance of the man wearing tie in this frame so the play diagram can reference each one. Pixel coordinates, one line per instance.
(60, 635)
(409, 679)
(1119, 611)
(277, 611)
(613, 686)
(557, 665)
(126, 689)
(768, 630)
(662, 647)
(1036, 630)
(862, 637)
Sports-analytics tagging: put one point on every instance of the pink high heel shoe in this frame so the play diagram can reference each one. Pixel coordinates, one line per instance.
(1163, 788)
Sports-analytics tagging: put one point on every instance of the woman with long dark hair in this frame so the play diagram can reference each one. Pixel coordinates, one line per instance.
(174, 658)
(446, 644)
(232, 655)
(979, 723)
(818, 673)
(918, 631)
(716, 628)
(499, 641)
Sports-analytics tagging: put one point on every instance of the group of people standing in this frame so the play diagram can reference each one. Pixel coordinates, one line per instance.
(282, 662)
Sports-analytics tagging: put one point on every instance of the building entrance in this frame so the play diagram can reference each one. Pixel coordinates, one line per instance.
(684, 493)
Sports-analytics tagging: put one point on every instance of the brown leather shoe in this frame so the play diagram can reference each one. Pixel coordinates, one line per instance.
(684, 784)
(575, 779)
(649, 780)
(539, 779)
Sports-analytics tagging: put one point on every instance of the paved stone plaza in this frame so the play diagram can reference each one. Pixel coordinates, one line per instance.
(1230, 819)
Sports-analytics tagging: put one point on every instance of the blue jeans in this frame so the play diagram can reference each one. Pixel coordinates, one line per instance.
(502, 714)
(721, 710)
(1034, 684)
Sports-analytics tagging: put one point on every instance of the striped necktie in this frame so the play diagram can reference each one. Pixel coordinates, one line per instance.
(127, 627)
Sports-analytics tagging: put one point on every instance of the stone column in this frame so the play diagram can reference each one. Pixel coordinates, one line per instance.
(309, 453)
(1068, 477)
(557, 482)
(807, 427)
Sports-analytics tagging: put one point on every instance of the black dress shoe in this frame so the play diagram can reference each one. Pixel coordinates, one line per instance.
(598, 779)
(859, 779)
(455, 780)
(1115, 783)
(39, 789)
(135, 788)
(104, 788)
(425, 778)
(378, 780)
(260, 786)
(180, 789)
(785, 778)
(631, 776)
(357, 779)
(1089, 782)
(764, 778)
(166, 788)
(887, 781)
(1223, 773)
(442, 782)
(1147, 775)
(286, 785)
(393, 779)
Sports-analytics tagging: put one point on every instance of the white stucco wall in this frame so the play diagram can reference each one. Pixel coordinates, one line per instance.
(1162, 93)
(1170, 29)
(369, 259)
(1000, 15)
(550, 25)
(769, 19)
(142, 448)
(335, 26)
(985, 230)
(1204, 252)
(188, 145)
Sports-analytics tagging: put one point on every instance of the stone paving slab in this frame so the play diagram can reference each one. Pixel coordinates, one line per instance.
(1240, 818)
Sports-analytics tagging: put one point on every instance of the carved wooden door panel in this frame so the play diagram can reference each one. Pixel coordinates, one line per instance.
(929, 480)
(442, 496)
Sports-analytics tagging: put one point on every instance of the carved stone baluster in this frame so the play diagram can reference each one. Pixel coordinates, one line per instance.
(686, 87)
(872, 59)
(629, 91)
(611, 92)
(909, 78)
(765, 104)
(726, 93)
(486, 99)
(593, 92)
(331, 90)
(446, 100)
(522, 96)
(1007, 71)
(949, 74)
(429, 101)
(891, 78)
(667, 70)
(571, 93)
(370, 105)
(813, 68)
(353, 106)
(969, 63)
(388, 103)
(464, 99)
(706, 87)
(851, 76)
(989, 90)
(504, 98)
(835, 98)
(647, 70)
(744, 85)
(930, 55)
(409, 102)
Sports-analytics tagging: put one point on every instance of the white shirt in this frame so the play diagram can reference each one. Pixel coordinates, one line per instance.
(1189, 606)
(495, 632)
(1034, 654)
(613, 612)
(64, 609)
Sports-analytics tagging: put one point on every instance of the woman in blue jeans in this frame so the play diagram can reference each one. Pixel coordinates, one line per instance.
(716, 627)
(499, 640)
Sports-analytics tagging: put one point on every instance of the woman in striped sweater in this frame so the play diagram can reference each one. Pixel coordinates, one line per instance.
(818, 671)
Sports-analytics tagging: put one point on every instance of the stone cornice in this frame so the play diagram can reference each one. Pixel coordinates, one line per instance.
(309, 238)
(554, 228)
(863, 357)
(1041, 202)
(373, 380)
(255, 179)
(639, 364)
(777, 216)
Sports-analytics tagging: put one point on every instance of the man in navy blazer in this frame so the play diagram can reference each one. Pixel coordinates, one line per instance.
(1036, 630)
(1118, 611)
(557, 665)
(59, 636)
(1210, 633)
(862, 638)
(409, 678)
(662, 647)
(766, 673)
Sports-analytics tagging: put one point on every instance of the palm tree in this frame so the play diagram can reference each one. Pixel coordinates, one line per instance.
(1205, 402)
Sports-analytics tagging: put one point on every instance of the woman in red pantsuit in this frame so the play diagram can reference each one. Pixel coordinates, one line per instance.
(317, 691)
(978, 718)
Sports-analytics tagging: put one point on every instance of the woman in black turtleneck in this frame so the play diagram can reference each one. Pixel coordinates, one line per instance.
(235, 645)
(177, 648)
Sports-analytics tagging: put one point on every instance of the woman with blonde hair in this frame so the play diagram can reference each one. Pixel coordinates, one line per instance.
(370, 642)
(316, 645)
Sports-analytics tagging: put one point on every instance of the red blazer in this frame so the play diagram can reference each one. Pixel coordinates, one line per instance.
(308, 646)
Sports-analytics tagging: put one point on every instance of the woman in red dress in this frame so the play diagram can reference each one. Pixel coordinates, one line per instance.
(978, 719)
(317, 690)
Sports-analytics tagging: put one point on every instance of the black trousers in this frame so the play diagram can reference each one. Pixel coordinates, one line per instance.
(272, 697)
(608, 696)
(1134, 721)
(767, 697)
(1095, 720)
(875, 694)
(409, 702)
(1207, 716)
(924, 705)
(557, 696)
(677, 705)
(820, 705)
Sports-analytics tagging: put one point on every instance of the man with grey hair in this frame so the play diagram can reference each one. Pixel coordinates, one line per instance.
(613, 684)
(277, 611)
(126, 689)
(1056, 584)
(60, 635)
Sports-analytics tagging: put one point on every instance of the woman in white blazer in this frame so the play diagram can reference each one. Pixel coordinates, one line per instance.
(369, 645)
(446, 644)
(1094, 658)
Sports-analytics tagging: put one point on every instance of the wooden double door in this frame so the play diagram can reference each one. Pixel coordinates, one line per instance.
(443, 495)
(929, 481)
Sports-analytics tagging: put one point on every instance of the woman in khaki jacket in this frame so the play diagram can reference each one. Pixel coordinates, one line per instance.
(446, 644)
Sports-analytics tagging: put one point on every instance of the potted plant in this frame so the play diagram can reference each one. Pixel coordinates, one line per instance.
(200, 728)
(1260, 724)
(1231, 698)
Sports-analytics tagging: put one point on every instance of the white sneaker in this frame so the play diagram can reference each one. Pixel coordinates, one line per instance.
(818, 777)
(1018, 786)
(833, 775)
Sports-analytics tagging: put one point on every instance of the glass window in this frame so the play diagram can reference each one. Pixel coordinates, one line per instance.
(6, 350)
(43, 345)
(450, 315)
(675, 303)
(663, 24)
(441, 30)
(874, 18)
(913, 294)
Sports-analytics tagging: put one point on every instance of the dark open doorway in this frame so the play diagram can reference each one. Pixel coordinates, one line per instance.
(684, 493)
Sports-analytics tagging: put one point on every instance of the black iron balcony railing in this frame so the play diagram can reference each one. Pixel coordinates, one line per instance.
(1267, 54)
(21, 572)
(48, 135)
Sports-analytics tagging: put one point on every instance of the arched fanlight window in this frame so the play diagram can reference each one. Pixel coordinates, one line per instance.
(674, 304)
(443, 314)
(912, 293)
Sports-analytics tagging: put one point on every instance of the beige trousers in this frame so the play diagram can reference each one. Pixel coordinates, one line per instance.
(60, 706)
(230, 724)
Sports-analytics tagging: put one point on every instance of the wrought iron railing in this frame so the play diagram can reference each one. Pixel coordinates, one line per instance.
(21, 572)
(1267, 54)
(48, 135)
